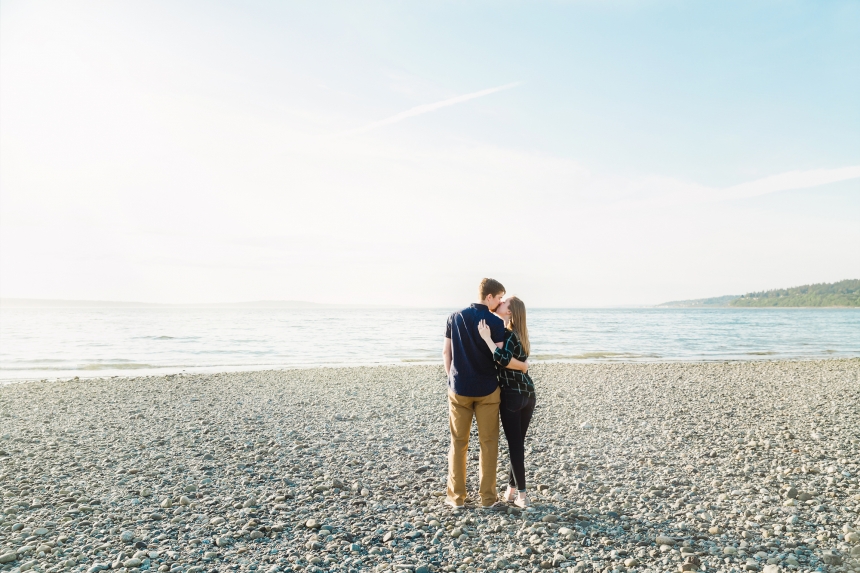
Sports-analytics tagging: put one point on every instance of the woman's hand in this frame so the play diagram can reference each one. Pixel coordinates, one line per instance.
(487, 335)
(484, 331)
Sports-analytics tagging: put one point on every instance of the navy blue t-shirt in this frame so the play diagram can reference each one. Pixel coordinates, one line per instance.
(473, 372)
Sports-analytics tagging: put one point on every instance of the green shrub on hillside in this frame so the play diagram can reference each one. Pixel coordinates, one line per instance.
(843, 293)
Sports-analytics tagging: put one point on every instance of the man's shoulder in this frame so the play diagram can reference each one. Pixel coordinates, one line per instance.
(463, 312)
(493, 319)
(459, 316)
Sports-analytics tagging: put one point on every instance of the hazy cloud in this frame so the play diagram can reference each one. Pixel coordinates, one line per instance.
(789, 180)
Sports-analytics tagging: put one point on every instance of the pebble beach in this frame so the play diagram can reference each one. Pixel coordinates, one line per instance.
(729, 467)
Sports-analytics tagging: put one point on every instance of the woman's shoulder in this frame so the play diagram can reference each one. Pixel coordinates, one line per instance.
(511, 335)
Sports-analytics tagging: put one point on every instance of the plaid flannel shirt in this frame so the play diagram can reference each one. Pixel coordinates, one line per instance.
(513, 379)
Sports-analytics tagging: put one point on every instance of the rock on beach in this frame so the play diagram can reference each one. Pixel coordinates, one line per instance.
(724, 467)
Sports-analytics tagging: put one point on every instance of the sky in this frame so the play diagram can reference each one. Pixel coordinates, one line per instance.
(583, 153)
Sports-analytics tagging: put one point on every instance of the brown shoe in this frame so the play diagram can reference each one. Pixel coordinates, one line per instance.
(498, 506)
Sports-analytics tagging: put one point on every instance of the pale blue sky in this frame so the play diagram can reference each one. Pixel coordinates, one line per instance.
(200, 151)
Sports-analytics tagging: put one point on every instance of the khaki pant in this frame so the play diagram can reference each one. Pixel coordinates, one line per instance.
(460, 412)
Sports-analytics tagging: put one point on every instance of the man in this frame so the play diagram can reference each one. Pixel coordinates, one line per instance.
(473, 390)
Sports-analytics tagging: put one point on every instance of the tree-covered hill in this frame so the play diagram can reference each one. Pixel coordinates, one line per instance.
(843, 293)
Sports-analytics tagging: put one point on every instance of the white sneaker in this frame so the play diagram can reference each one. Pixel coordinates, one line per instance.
(510, 495)
(522, 501)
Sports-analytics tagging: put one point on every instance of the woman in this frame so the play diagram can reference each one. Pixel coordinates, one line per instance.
(517, 391)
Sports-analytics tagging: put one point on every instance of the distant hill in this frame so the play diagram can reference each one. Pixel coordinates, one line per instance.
(716, 301)
(844, 293)
(59, 303)
(51, 303)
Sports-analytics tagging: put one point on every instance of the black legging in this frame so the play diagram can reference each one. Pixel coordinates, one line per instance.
(516, 412)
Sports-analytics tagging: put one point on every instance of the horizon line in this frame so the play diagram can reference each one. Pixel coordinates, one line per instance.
(298, 304)
(20, 302)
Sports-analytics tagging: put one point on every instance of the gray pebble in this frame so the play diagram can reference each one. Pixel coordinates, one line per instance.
(691, 461)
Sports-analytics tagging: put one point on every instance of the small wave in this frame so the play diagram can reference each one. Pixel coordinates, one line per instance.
(592, 356)
(115, 366)
(165, 337)
(761, 353)
(75, 367)
(49, 364)
(5, 363)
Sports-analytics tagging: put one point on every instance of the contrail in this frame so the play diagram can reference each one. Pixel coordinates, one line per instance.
(427, 108)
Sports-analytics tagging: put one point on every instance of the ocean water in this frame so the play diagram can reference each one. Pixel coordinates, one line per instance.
(50, 343)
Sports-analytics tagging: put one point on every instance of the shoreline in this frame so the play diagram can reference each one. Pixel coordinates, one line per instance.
(631, 467)
(145, 373)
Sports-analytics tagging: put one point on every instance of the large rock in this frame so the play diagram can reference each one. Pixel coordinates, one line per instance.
(831, 557)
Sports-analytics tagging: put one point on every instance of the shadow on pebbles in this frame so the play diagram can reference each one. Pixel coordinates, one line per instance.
(633, 467)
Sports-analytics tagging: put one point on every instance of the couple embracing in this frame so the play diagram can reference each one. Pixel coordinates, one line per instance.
(485, 354)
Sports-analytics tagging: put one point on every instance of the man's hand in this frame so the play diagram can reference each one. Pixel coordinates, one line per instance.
(447, 356)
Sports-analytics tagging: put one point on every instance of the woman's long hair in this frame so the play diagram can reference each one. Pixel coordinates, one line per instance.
(518, 322)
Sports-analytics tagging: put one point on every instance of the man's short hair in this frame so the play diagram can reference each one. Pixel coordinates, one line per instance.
(490, 287)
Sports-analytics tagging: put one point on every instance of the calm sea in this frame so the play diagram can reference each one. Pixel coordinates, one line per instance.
(38, 343)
